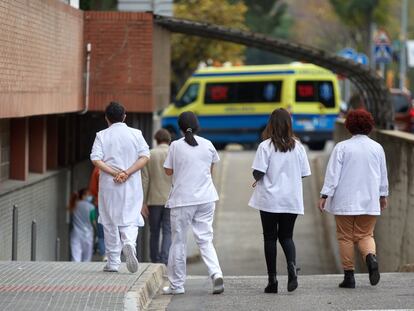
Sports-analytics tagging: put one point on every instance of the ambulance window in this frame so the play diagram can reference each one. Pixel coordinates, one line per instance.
(243, 92)
(189, 96)
(315, 91)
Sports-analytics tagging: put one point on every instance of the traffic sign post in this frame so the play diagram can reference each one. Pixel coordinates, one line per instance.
(382, 50)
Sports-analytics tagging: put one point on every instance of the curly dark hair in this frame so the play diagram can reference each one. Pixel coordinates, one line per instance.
(359, 122)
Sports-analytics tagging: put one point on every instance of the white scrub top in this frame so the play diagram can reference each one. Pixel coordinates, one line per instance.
(192, 183)
(120, 146)
(356, 177)
(280, 189)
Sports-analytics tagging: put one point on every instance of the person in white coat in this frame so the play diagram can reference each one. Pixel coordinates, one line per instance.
(120, 152)
(278, 168)
(355, 191)
(192, 200)
(82, 213)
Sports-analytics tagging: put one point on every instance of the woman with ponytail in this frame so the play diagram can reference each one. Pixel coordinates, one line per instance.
(82, 213)
(192, 200)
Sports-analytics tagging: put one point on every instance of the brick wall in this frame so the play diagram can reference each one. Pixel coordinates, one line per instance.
(121, 59)
(41, 63)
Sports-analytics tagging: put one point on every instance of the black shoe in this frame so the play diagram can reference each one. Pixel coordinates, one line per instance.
(272, 285)
(292, 277)
(349, 280)
(372, 265)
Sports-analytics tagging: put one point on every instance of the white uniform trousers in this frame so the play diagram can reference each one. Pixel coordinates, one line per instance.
(200, 217)
(81, 246)
(115, 238)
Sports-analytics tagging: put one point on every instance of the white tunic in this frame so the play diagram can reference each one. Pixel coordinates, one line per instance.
(192, 183)
(356, 177)
(120, 146)
(280, 189)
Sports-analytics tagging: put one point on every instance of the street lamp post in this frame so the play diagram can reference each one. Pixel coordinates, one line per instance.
(403, 51)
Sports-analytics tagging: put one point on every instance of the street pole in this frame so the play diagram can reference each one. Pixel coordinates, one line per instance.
(403, 39)
(373, 29)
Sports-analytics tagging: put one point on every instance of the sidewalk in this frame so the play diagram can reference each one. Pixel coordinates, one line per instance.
(76, 286)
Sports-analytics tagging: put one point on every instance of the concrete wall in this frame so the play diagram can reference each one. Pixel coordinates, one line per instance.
(395, 230)
(41, 65)
(43, 198)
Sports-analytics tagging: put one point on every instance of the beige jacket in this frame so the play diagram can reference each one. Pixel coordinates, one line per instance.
(156, 184)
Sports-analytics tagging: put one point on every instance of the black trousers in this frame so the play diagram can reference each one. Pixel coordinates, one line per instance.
(278, 226)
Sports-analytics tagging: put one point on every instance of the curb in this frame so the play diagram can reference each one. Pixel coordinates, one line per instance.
(144, 289)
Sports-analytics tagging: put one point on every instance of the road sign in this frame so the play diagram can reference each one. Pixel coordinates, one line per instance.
(382, 47)
(350, 53)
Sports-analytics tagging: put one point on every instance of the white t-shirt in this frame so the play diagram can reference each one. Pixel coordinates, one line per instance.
(280, 189)
(356, 177)
(191, 181)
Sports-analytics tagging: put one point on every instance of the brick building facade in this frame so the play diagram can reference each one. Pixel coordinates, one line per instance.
(48, 117)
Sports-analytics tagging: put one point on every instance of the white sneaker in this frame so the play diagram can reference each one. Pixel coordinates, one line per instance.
(108, 268)
(131, 259)
(218, 284)
(172, 291)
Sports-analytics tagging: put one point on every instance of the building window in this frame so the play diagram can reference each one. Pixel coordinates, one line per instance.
(4, 149)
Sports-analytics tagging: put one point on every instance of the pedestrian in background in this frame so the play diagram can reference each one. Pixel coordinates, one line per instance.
(192, 200)
(278, 168)
(94, 190)
(82, 213)
(157, 185)
(355, 191)
(120, 152)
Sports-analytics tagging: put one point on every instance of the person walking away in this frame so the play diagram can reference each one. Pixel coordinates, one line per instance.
(157, 185)
(94, 190)
(120, 152)
(192, 200)
(355, 191)
(279, 165)
(82, 213)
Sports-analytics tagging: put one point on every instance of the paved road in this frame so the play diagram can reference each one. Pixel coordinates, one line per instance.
(238, 232)
(318, 292)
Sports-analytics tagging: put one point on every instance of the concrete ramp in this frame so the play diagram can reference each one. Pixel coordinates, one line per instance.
(40, 286)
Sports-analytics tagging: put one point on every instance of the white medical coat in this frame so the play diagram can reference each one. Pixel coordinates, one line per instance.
(119, 146)
(356, 177)
(280, 189)
(192, 183)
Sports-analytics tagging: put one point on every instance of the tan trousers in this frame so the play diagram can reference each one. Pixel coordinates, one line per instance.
(352, 230)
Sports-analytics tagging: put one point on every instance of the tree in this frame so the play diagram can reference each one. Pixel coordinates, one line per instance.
(358, 16)
(189, 51)
(270, 18)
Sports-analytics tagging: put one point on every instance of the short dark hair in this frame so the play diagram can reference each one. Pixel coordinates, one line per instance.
(359, 122)
(162, 136)
(115, 112)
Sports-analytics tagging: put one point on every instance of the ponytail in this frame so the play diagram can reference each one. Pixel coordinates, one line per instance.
(74, 198)
(189, 137)
(188, 123)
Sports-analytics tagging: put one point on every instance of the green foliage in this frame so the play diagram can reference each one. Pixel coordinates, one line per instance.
(270, 18)
(189, 51)
(358, 15)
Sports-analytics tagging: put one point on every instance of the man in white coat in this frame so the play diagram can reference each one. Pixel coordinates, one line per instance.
(120, 152)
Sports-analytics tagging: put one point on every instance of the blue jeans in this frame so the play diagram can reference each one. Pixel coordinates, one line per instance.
(159, 219)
